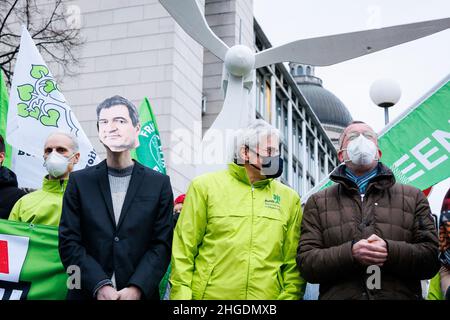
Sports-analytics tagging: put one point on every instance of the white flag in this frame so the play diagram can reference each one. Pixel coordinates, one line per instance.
(37, 108)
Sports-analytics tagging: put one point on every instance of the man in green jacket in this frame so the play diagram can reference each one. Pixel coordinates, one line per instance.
(237, 235)
(44, 205)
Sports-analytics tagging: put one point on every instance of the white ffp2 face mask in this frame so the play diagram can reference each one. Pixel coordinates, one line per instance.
(362, 151)
(56, 164)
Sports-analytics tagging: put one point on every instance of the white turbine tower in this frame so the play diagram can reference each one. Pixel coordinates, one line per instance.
(241, 61)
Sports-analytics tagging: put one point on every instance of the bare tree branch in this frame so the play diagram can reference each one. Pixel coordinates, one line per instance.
(7, 16)
(47, 25)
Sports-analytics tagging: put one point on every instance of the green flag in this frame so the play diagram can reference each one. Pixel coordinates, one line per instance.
(3, 117)
(149, 152)
(30, 266)
(416, 147)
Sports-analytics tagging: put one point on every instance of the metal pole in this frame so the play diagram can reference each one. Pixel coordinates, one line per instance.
(386, 115)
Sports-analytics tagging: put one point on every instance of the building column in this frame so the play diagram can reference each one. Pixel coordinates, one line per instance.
(289, 140)
(316, 157)
(326, 160)
(273, 98)
(305, 156)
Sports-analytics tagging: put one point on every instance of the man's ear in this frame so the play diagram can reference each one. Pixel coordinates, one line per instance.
(243, 154)
(76, 158)
(379, 154)
(340, 156)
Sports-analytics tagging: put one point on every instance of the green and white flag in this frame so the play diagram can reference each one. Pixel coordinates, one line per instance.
(3, 116)
(29, 169)
(37, 108)
(30, 266)
(149, 152)
(416, 146)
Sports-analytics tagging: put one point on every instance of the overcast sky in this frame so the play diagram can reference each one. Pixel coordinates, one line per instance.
(417, 66)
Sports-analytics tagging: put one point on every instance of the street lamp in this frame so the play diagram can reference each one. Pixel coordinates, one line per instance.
(385, 93)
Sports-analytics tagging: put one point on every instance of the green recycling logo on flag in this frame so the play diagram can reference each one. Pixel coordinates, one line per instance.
(149, 152)
(30, 266)
(36, 109)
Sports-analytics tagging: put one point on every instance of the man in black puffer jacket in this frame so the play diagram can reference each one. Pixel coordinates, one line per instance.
(9, 192)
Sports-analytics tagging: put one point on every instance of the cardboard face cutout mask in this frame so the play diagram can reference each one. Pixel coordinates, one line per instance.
(116, 130)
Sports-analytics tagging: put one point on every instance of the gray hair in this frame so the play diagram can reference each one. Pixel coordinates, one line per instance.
(253, 134)
(118, 100)
(73, 139)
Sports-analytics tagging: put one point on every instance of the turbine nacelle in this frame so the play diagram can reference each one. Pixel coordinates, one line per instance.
(239, 60)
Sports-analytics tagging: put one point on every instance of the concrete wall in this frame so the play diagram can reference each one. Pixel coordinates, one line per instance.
(135, 49)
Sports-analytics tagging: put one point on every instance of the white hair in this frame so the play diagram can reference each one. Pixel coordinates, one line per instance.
(73, 138)
(252, 135)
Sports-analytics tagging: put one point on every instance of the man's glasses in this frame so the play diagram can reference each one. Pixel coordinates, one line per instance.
(352, 135)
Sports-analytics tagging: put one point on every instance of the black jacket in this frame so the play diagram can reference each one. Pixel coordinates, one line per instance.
(137, 250)
(9, 193)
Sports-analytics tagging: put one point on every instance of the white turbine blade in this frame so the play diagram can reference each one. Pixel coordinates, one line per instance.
(328, 50)
(217, 143)
(189, 16)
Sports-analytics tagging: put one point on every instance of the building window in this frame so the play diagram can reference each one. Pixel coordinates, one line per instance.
(300, 181)
(278, 118)
(285, 122)
(294, 139)
(322, 167)
(267, 110)
(295, 186)
(299, 143)
(285, 172)
(260, 95)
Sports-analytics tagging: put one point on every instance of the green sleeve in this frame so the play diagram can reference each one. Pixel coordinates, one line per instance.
(294, 285)
(188, 235)
(434, 292)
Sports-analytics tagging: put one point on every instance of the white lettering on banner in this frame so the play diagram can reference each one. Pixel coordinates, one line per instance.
(423, 157)
(148, 129)
(442, 137)
(16, 295)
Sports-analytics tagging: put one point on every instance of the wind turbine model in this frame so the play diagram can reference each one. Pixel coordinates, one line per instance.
(241, 61)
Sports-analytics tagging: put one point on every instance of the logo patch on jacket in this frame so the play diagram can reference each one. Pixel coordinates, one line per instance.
(273, 203)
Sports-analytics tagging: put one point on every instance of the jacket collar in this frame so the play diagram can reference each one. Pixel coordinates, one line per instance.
(7, 177)
(383, 180)
(135, 182)
(239, 173)
(54, 186)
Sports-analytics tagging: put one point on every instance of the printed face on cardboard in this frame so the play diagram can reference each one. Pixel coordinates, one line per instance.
(116, 130)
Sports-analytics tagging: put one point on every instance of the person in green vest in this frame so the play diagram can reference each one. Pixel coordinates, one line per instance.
(440, 284)
(237, 235)
(44, 206)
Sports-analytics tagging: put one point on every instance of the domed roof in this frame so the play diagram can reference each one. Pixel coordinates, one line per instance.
(328, 108)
